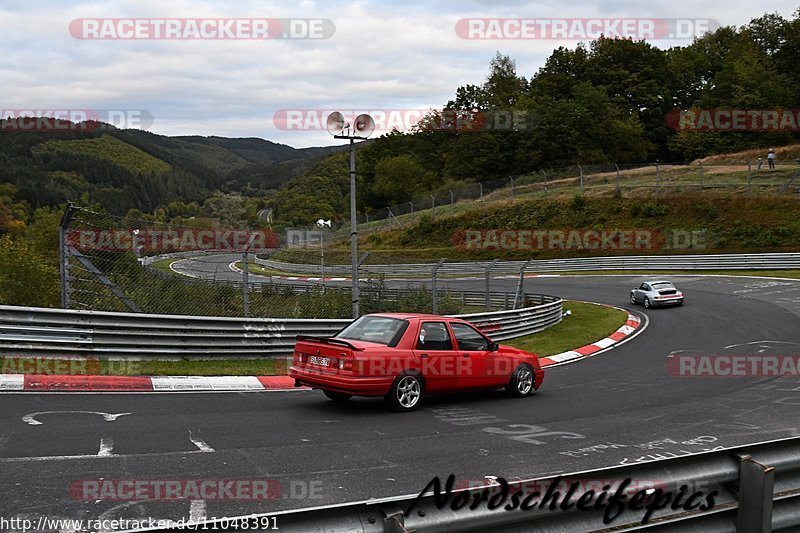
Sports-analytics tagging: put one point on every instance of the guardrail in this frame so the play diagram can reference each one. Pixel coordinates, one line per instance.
(754, 488)
(32, 330)
(497, 300)
(771, 261)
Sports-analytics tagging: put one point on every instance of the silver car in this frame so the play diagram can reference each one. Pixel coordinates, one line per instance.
(656, 293)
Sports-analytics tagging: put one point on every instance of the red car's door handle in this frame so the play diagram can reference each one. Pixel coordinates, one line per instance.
(464, 355)
(423, 356)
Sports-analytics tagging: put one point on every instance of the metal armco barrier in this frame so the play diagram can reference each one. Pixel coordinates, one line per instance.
(31, 330)
(757, 490)
(772, 261)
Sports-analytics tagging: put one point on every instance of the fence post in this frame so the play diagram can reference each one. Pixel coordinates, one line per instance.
(512, 187)
(434, 290)
(367, 216)
(480, 199)
(619, 192)
(63, 256)
(412, 207)
(702, 172)
(488, 298)
(658, 178)
(749, 175)
(581, 169)
(433, 206)
(245, 285)
(518, 297)
(452, 203)
(545, 182)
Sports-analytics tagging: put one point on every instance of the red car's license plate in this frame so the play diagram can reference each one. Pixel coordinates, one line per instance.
(322, 361)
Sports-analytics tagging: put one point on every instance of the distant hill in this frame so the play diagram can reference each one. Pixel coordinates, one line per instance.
(135, 169)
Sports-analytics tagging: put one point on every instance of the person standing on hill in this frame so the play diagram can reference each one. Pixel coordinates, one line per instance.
(771, 158)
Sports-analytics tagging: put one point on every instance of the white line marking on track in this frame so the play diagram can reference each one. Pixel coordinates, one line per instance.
(200, 443)
(106, 447)
(197, 511)
(31, 418)
(759, 342)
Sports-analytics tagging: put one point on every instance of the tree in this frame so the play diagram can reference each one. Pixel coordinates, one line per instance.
(397, 179)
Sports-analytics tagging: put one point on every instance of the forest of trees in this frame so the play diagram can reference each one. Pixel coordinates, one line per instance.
(603, 102)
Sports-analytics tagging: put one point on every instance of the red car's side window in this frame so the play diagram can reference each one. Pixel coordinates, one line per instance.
(468, 338)
(434, 336)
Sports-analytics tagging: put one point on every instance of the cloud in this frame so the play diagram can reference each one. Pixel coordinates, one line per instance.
(383, 55)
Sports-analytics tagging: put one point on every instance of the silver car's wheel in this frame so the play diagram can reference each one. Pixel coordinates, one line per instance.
(406, 393)
(647, 302)
(633, 299)
(521, 383)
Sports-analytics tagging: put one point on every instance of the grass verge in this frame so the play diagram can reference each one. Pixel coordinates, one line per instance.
(587, 324)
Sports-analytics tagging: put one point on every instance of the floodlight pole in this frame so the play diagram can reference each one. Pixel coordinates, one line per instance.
(353, 226)
(338, 124)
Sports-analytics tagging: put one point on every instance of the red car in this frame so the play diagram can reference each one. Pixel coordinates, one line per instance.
(402, 357)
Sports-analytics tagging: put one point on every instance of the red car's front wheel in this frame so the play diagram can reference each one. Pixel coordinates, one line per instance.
(521, 383)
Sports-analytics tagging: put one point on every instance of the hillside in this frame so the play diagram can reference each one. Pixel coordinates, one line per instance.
(679, 223)
(133, 169)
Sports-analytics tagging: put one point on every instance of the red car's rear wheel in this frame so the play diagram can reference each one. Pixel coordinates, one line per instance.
(406, 393)
(337, 396)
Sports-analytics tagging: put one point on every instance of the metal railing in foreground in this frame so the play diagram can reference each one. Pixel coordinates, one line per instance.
(747, 489)
(31, 330)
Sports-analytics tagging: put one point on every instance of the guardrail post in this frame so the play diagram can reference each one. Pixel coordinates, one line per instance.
(518, 296)
(756, 485)
(63, 255)
(488, 299)
(434, 297)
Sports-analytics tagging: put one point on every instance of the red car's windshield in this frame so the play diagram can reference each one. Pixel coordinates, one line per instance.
(378, 329)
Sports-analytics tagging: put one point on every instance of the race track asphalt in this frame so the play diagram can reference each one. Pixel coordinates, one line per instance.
(619, 407)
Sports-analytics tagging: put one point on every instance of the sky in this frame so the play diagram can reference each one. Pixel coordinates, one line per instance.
(394, 60)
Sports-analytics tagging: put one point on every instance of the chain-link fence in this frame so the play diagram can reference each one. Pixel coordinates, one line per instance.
(745, 176)
(113, 263)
